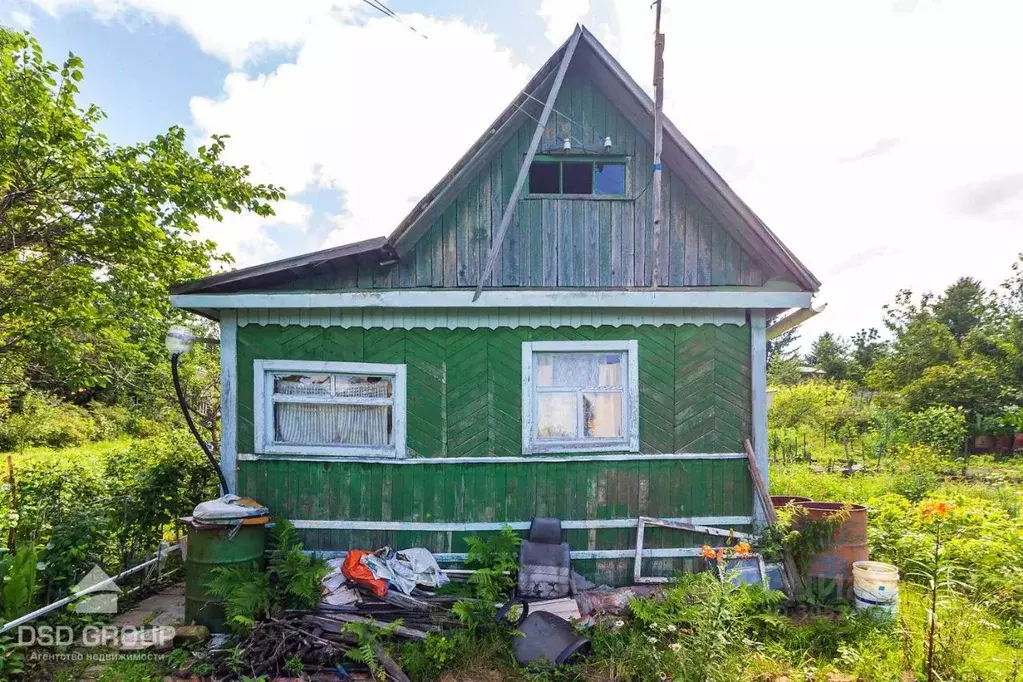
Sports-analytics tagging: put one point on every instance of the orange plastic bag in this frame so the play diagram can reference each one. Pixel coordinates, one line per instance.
(354, 570)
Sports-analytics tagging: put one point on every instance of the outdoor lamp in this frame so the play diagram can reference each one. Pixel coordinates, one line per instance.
(179, 341)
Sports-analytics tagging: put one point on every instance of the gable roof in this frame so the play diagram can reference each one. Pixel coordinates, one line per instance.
(742, 224)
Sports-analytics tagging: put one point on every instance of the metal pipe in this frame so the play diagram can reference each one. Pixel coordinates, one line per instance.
(160, 555)
(793, 320)
(224, 489)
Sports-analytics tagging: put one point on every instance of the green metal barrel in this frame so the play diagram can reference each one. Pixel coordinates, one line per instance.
(216, 546)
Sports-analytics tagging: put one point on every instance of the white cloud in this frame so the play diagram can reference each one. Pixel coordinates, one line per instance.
(373, 111)
(235, 30)
(20, 19)
(245, 235)
(561, 16)
(881, 143)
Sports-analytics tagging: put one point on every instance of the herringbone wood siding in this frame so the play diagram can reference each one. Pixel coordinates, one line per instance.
(464, 385)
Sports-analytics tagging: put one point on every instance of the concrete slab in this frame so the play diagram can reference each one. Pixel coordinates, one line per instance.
(164, 608)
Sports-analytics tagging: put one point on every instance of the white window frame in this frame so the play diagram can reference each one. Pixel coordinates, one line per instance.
(630, 396)
(263, 407)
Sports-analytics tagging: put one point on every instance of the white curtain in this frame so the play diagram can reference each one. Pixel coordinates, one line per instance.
(302, 424)
(332, 424)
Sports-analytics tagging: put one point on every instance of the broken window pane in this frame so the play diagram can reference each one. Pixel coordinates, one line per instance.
(576, 178)
(360, 386)
(609, 178)
(302, 384)
(543, 177)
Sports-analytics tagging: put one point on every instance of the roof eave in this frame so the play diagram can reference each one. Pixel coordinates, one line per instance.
(267, 270)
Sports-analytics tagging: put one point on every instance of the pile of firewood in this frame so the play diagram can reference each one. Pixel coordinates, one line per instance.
(318, 638)
(273, 642)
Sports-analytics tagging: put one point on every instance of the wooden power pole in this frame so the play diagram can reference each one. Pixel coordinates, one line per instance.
(658, 139)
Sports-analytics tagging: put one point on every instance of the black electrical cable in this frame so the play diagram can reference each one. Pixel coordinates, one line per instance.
(224, 490)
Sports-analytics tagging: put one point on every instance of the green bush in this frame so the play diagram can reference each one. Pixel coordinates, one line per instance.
(940, 427)
(109, 509)
(820, 406)
(44, 420)
(111, 420)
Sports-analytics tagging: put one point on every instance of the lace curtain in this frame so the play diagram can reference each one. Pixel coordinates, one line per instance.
(579, 395)
(328, 423)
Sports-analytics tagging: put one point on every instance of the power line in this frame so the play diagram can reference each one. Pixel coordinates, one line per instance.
(379, 6)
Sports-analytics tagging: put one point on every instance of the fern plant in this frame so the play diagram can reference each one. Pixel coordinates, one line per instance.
(367, 637)
(495, 560)
(291, 581)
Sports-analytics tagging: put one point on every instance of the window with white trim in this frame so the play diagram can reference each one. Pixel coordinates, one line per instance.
(580, 396)
(333, 408)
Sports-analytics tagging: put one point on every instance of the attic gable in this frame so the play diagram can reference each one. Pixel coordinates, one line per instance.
(709, 236)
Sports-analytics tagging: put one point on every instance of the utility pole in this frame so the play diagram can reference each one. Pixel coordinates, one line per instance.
(658, 138)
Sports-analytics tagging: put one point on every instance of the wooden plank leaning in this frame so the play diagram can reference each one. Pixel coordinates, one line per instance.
(764, 497)
(523, 175)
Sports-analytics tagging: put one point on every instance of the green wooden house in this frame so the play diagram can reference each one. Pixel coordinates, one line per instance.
(606, 371)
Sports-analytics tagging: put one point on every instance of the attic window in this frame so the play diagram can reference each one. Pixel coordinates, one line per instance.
(544, 178)
(578, 177)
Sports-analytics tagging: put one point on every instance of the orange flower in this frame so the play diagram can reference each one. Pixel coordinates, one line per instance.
(743, 549)
(708, 552)
(721, 554)
(933, 508)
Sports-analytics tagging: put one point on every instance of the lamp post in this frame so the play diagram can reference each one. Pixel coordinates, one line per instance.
(179, 341)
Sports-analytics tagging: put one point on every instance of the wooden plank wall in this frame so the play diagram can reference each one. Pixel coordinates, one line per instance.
(464, 385)
(563, 242)
(505, 492)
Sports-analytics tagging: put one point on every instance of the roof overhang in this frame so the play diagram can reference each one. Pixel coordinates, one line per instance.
(716, 297)
(376, 250)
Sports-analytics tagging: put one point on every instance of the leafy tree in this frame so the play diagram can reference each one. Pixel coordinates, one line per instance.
(971, 383)
(867, 349)
(830, 353)
(921, 341)
(1012, 288)
(962, 307)
(92, 234)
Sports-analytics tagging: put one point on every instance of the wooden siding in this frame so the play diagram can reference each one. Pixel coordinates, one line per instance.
(464, 385)
(554, 242)
(505, 492)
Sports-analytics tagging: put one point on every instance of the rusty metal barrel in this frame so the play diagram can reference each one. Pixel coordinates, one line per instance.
(848, 544)
(779, 501)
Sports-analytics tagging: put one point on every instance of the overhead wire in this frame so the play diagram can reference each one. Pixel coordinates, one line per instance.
(585, 128)
(387, 12)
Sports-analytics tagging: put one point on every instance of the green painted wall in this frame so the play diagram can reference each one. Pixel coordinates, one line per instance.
(464, 400)
(464, 385)
(563, 242)
(505, 492)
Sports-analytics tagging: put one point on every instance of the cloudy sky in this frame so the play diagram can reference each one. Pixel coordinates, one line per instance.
(882, 140)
